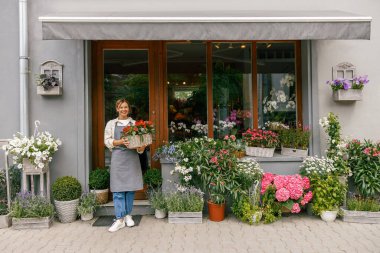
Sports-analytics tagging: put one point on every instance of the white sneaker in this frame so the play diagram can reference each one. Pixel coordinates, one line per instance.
(116, 226)
(129, 221)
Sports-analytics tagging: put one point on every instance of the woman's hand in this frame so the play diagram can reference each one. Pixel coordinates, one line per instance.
(124, 141)
(140, 150)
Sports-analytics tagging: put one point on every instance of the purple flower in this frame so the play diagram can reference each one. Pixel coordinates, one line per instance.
(358, 82)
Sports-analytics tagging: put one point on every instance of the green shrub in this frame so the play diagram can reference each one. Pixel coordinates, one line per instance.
(27, 205)
(87, 203)
(66, 188)
(245, 210)
(360, 204)
(157, 200)
(3, 208)
(153, 179)
(328, 193)
(99, 179)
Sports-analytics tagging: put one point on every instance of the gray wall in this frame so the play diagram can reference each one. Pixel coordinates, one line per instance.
(64, 116)
(9, 69)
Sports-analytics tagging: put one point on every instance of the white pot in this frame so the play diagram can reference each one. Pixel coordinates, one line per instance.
(329, 215)
(67, 210)
(160, 214)
(87, 216)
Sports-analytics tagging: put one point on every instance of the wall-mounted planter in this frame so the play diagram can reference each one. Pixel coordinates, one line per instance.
(54, 91)
(348, 95)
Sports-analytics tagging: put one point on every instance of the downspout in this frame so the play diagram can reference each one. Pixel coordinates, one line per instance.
(24, 67)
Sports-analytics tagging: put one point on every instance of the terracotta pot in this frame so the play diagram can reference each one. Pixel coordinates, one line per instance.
(216, 211)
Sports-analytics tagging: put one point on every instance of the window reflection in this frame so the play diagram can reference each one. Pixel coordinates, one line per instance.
(276, 83)
(232, 88)
(186, 82)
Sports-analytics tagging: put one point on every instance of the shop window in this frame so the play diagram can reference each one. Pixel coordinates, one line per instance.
(186, 86)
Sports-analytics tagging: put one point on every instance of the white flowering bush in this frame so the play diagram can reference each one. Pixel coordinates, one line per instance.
(38, 149)
(313, 165)
(249, 172)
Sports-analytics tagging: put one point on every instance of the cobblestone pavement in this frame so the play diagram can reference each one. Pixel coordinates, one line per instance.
(291, 234)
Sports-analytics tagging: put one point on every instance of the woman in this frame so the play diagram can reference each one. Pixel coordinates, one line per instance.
(126, 176)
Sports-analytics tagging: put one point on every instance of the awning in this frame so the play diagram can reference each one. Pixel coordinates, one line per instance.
(216, 25)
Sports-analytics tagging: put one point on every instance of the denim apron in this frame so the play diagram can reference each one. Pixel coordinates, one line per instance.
(125, 170)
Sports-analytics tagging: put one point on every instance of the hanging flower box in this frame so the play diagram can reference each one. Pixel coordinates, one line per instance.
(294, 152)
(53, 91)
(260, 152)
(136, 141)
(348, 95)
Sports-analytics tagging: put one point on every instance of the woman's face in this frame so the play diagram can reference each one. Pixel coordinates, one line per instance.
(123, 110)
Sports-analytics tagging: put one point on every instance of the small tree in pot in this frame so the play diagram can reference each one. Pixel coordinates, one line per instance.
(66, 192)
(99, 182)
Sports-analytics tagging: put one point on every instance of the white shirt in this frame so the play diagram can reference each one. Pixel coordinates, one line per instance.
(109, 130)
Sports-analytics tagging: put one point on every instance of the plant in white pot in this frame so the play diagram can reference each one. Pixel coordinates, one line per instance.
(99, 182)
(158, 201)
(66, 193)
(87, 206)
(328, 196)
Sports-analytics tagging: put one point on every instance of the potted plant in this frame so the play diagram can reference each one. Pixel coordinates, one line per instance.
(99, 182)
(153, 178)
(66, 193)
(344, 90)
(87, 206)
(29, 211)
(294, 141)
(260, 143)
(158, 201)
(288, 193)
(185, 206)
(139, 134)
(34, 153)
(328, 196)
(361, 210)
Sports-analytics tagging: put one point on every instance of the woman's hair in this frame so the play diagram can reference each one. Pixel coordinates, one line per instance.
(120, 101)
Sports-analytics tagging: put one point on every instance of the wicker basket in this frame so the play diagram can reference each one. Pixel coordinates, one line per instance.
(67, 210)
(136, 141)
(260, 152)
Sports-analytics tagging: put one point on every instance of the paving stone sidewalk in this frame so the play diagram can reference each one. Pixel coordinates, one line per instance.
(291, 234)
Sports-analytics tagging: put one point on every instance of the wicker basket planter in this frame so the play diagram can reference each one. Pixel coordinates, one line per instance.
(185, 217)
(348, 95)
(294, 152)
(136, 141)
(5, 221)
(32, 223)
(361, 216)
(67, 210)
(101, 196)
(260, 152)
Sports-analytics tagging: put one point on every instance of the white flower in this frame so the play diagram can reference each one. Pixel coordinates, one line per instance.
(19, 166)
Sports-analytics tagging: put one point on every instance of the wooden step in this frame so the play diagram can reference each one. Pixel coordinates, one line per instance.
(141, 207)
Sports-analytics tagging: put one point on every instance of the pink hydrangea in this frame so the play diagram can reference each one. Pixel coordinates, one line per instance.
(279, 182)
(308, 196)
(264, 185)
(295, 191)
(268, 177)
(296, 208)
(282, 195)
(306, 183)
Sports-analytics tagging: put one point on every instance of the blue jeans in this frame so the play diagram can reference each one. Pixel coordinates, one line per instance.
(123, 202)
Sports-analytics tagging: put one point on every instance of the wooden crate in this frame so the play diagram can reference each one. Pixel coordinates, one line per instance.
(185, 217)
(32, 223)
(361, 216)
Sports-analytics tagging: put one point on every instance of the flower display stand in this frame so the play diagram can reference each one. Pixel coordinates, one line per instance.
(348, 95)
(259, 152)
(294, 152)
(185, 217)
(30, 170)
(361, 216)
(32, 223)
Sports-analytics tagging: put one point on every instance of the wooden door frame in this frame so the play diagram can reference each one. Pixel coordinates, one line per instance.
(97, 88)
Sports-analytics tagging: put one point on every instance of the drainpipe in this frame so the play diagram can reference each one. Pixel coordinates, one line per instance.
(24, 67)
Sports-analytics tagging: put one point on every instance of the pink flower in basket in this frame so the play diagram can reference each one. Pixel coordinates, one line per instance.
(290, 190)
